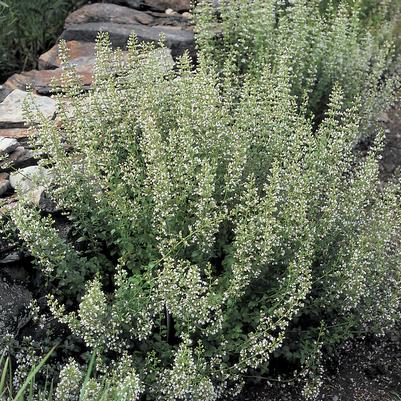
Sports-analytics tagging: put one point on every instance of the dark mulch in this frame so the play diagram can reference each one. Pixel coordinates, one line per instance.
(364, 370)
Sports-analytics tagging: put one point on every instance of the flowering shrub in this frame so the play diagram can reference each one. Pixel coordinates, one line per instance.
(220, 224)
(322, 42)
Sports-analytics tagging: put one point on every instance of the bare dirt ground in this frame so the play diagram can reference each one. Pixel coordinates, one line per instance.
(364, 370)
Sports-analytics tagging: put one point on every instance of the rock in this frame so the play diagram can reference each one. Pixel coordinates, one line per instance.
(172, 19)
(16, 272)
(178, 40)
(20, 133)
(4, 183)
(13, 301)
(77, 50)
(41, 80)
(106, 12)
(38, 197)
(20, 158)
(8, 145)
(170, 11)
(11, 112)
(156, 5)
(11, 258)
(25, 180)
(187, 15)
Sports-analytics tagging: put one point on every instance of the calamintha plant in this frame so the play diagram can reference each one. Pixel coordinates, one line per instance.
(218, 222)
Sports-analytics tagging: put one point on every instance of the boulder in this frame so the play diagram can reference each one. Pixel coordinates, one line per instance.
(12, 257)
(8, 145)
(39, 198)
(25, 179)
(11, 109)
(14, 299)
(106, 12)
(41, 80)
(178, 40)
(77, 50)
(20, 158)
(156, 5)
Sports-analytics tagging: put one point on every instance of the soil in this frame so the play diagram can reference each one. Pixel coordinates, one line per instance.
(364, 370)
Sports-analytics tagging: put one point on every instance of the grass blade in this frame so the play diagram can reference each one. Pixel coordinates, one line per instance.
(3, 373)
(87, 376)
(32, 374)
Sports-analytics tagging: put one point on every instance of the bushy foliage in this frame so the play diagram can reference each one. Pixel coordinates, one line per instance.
(28, 28)
(324, 43)
(220, 225)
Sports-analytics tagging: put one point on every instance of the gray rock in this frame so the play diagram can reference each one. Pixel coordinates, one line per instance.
(8, 145)
(20, 158)
(178, 40)
(13, 301)
(11, 110)
(106, 12)
(25, 180)
(16, 272)
(38, 197)
(156, 5)
(11, 258)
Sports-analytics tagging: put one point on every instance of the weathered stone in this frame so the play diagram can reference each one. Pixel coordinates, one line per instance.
(171, 19)
(170, 11)
(13, 301)
(20, 158)
(8, 145)
(176, 39)
(11, 110)
(15, 271)
(157, 5)
(4, 183)
(77, 50)
(25, 179)
(19, 133)
(41, 80)
(38, 197)
(106, 12)
(4, 92)
(11, 258)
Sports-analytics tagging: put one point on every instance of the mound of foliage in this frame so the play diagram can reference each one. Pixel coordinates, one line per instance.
(221, 223)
